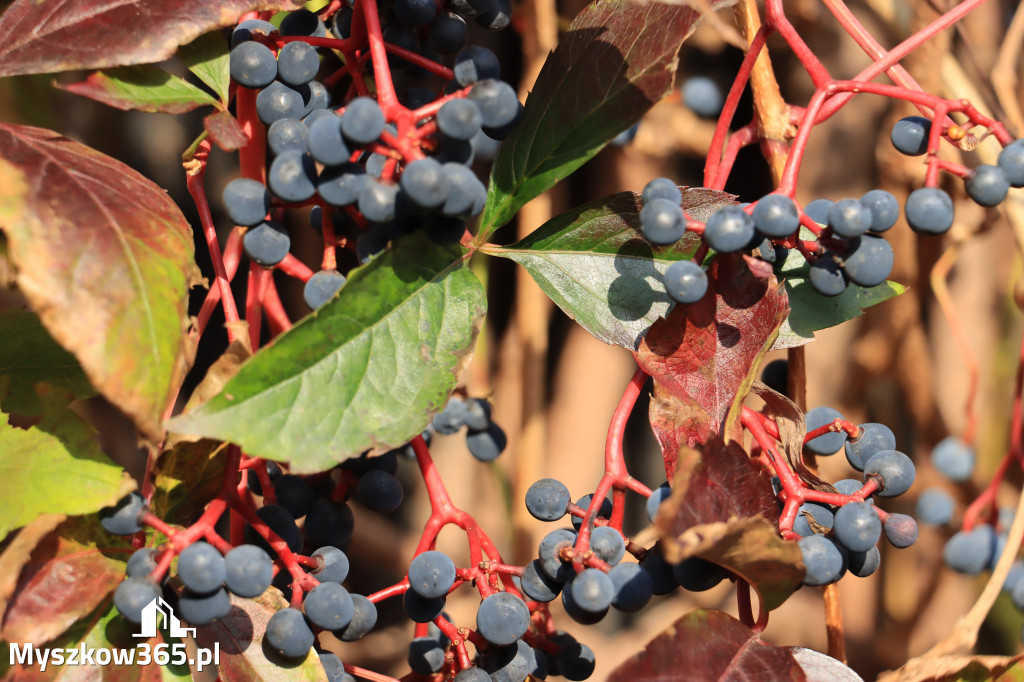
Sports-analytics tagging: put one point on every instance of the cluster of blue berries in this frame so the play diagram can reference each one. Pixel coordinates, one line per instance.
(343, 158)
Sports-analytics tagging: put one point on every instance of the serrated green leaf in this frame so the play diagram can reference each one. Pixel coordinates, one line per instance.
(142, 88)
(597, 267)
(810, 311)
(55, 467)
(207, 58)
(616, 61)
(29, 355)
(366, 371)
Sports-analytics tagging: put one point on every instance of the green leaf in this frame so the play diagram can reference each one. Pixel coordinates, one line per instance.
(55, 467)
(366, 371)
(207, 58)
(105, 258)
(142, 88)
(617, 60)
(597, 267)
(29, 355)
(810, 311)
(187, 477)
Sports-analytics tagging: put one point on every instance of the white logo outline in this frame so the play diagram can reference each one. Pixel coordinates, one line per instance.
(149, 620)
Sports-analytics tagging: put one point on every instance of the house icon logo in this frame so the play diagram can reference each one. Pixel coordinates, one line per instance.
(149, 620)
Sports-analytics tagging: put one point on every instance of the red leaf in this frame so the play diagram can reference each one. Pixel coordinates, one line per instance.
(225, 130)
(708, 645)
(60, 35)
(703, 356)
(71, 572)
(723, 510)
(105, 258)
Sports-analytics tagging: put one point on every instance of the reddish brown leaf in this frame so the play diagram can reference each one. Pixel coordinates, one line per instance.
(19, 551)
(105, 258)
(723, 510)
(225, 130)
(60, 35)
(703, 355)
(708, 645)
(69, 574)
(243, 658)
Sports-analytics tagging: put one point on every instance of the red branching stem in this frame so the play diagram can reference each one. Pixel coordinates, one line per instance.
(258, 278)
(386, 96)
(293, 267)
(852, 430)
(277, 317)
(439, 70)
(732, 101)
(195, 184)
(775, 18)
(396, 590)
(871, 47)
(986, 501)
(232, 256)
(363, 672)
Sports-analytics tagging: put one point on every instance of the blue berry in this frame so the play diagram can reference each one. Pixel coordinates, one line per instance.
(488, 444)
(901, 530)
(934, 507)
(910, 135)
(547, 499)
(252, 65)
(1011, 161)
(302, 22)
(703, 96)
(364, 618)
(823, 560)
(133, 595)
(662, 188)
(827, 275)
(266, 244)
(592, 590)
(292, 176)
(729, 229)
(204, 608)
(250, 28)
(502, 618)
(987, 185)
(698, 575)
(871, 439)
(425, 183)
(849, 218)
(326, 142)
(685, 282)
(817, 210)
(633, 587)
(277, 101)
(894, 471)
(821, 515)
(869, 262)
(863, 564)
(297, 63)
(431, 574)
(287, 134)
(827, 443)
(929, 210)
(201, 567)
(953, 458)
(363, 121)
(123, 517)
(332, 565)
(776, 216)
(857, 526)
(607, 544)
(658, 495)
(662, 221)
(322, 287)
(288, 634)
(885, 209)
(969, 552)
(329, 606)
(459, 119)
(537, 585)
(475, 63)
(498, 102)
